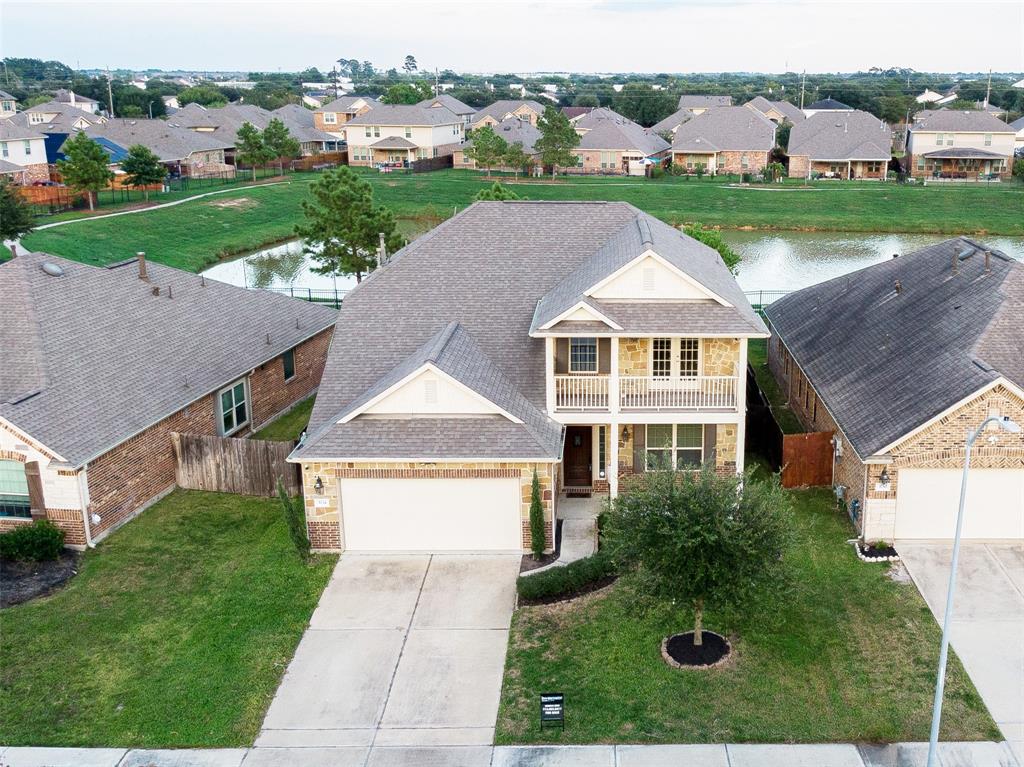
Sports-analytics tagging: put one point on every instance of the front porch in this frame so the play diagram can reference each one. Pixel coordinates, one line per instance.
(962, 164)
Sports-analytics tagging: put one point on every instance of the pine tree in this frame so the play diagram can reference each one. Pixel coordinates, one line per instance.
(15, 214)
(558, 139)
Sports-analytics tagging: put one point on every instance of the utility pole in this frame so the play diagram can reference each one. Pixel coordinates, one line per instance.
(803, 83)
(988, 90)
(437, 84)
(110, 94)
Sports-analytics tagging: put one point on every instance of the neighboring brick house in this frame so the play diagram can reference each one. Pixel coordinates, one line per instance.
(492, 114)
(845, 144)
(624, 354)
(724, 140)
(777, 111)
(224, 122)
(613, 144)
(23, 153)
(331, 117)
(699, 104)
(513, 130)
(182, 151)
(102, 364)
(960, 144)
(398, 134)
(901, 360)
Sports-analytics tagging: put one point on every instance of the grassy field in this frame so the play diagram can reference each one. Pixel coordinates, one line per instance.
(290, 425)
(196, 234)
(851, 658)
(175, 632)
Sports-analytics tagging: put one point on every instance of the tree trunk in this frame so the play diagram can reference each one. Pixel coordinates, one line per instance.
(254, 171)
(88, 196)
(145, 193)
(698, 622)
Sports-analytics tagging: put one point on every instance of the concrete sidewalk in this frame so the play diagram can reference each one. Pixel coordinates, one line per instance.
(980, 754)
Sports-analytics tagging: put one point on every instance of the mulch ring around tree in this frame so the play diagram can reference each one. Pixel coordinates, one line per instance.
(529, 563)
(587, 588)
(679, 651)
(22, 581)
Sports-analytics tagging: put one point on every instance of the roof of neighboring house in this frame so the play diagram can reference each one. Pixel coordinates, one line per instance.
(853, 135)
(226, 120)
(790, 111)
(96, 357)
(1018, 124)
(515, 131)
(393, 142)
(595, 116)
(166, 141)
(6, 95)
(953, 120)
(726, 129)
(488, 267)
(449, 102)
(11, 131)
(64, 96)
(499, 110)
(9, 167)
(829, 103)
(689, 101)
(573, 112)
(621, 134)
(963, 153)
(885, 362)
(65, 117)
(406, 114)
(347, 104)
(673, 121)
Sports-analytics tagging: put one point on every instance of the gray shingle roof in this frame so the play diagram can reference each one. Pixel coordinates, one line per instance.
(672, 122)
(6, 95)
(346, 104)
(406, 114)
(9, 167)
(166, 141)
(484, 269)
(829, 103)
(499, 110)
(790, 111)
(98, 357)
(953, 120)
(963, 152)
(65, 117)
(727, 129)
(10, 131)
(393, 142)
(688, 101)
(852, 135)
(449, 102)
(884, 363)
(1018, 124)
(228, 119)
(613, 132)
(515, 131)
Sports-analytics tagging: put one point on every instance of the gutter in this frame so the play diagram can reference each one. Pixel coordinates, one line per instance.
(83, 496)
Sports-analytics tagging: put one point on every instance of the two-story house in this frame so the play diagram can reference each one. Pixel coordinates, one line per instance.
(581, 342)
(331, 117)
(22, 153)
(959, 144)
(56, 121)
(452, 104)
(492, 114)
(399, 134)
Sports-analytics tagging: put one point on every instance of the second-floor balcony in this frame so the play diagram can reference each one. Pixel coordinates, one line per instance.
(586, 393)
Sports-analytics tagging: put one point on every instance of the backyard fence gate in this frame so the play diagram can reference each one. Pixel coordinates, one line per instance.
(230, 465)
(807, 459)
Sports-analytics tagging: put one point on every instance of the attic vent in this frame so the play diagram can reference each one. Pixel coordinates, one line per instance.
(52, 269)
(648, 279)
(430, 391)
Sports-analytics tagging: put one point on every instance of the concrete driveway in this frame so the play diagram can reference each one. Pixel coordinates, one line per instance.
(402, 651)
(987, 629)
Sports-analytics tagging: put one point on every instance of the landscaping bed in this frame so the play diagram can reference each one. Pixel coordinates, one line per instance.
(26, 580)
(848, 655)
(175, 633)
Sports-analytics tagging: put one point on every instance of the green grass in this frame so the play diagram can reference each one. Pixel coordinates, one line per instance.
(290, 425)
(757, 356)
(175, 632)
(851, 658)
(196, 234)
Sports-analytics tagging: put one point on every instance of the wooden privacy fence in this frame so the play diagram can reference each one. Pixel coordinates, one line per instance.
(807, 459)
(230, 465)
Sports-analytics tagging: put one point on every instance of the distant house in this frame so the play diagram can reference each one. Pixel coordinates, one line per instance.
(492, 114)
(1018, 127)
(777, 111)
(928, 96)
(225, 121)
(77, 101)
(182, 151)
(826, 105)
(452, 104)
(613, 144)
(574, 113)
(955, 143)
(22, 154)
(699, 104)
(514, 131)
(56, 121)
(301, 123)
(399, 134)
(849, 144)
(8, 105)
(109, 361)
(671, 124)
(724, 140)
(331, 117)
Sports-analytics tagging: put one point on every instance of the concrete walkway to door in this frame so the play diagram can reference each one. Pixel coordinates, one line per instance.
(402, 651)
(987, 630)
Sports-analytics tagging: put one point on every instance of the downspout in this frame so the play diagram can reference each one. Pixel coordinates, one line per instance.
(83, 497)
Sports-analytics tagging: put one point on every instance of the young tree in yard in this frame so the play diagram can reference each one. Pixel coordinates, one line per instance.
(516, 159)
(536, 519)
(497, 192)
(143, 168)
(773, 171)
(557, 140)
(702, 541)
(295, 517)
(342, 225)
(280, 143)
(250, 148)
(15, 215)
(488, 148)
(713, 239)
(87, 167)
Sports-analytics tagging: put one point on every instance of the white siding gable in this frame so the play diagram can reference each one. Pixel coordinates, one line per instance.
(649, 279)
(431, 393)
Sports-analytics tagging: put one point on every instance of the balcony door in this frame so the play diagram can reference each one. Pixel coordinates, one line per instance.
(675, 362)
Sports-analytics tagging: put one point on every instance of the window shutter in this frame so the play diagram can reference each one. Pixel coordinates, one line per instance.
(710, 438)
(36, 503)
(561, 355)
(639, 448)
(604, 355)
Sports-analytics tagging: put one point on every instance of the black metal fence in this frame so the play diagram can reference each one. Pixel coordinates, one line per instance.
(328, 296)
(759, 299)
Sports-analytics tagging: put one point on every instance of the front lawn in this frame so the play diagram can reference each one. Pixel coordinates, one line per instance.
(851, 659)
(290, 425)
(175, 633)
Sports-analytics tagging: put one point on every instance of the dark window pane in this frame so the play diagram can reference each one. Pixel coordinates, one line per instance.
(240, 416)
(288, 362)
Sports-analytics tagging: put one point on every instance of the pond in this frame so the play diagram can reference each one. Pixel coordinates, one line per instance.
(773, 261)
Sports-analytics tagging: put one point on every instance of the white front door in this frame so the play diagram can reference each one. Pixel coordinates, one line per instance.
(927, 502)
(431, 515)
(673, 359)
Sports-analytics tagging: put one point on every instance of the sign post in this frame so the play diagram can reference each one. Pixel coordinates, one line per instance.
(552, 709)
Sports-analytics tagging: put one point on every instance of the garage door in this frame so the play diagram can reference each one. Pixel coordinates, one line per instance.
(927, 501)
(431, 514)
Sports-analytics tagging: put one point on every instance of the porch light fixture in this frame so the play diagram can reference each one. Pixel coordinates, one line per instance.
(625, 433)
(318, 486)
(884, 476)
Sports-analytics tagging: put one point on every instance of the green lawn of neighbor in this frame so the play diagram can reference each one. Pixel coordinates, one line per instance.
(757, 356)
(196, 234)
(290, 425)
(851, 658)
(175, 632)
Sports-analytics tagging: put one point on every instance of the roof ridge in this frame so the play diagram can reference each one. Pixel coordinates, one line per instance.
(443, 339)
(645, 230)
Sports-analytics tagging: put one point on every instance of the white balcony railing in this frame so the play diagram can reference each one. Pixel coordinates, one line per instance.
(591, 392)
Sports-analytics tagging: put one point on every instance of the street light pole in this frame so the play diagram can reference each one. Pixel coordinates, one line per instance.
(940, 683)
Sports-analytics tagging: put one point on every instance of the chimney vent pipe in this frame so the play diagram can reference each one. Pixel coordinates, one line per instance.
(141, 258)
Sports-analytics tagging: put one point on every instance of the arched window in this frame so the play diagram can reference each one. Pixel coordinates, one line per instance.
(13, 490)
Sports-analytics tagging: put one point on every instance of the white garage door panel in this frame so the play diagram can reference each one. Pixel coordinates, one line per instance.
(431, 514)
(927, 501)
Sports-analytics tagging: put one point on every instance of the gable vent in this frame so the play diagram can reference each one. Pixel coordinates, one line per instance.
(648, 279)
(430, 391)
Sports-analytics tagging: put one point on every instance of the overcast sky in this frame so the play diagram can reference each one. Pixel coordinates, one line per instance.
(583, 36)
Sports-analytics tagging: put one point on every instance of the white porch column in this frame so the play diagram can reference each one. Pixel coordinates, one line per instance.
(549, 372)
(613, 458)
(613, 379)
(741, 406)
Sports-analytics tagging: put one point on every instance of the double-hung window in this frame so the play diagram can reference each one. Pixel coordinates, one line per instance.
(13, 490)
(330, 118)
(369, 132)
(582, 355)
(233, 402)
(4, 152)
(288, 364)
(376, 131)
(988, 139)
(408, 132)
(679, 446)
(938, 139)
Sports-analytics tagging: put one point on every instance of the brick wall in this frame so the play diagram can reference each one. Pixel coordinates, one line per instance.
(732, 162)
(271, 394)
(799, 165)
